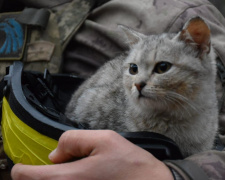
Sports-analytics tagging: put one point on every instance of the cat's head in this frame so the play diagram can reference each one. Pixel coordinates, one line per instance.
(169, 70)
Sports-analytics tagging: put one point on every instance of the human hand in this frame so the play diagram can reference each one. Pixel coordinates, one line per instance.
(105, 155)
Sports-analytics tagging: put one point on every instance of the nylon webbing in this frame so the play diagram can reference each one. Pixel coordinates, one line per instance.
(72, 16)
(34, 17)
(189, 169)
(2, 85)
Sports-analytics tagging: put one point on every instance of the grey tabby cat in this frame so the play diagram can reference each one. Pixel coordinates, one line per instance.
(165, 84)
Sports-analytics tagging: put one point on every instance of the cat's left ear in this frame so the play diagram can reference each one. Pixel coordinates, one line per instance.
(197, 33)
(132, 36)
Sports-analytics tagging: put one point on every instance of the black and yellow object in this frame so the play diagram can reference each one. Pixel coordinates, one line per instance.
(23, 144)
(33, 120)
(30, 125)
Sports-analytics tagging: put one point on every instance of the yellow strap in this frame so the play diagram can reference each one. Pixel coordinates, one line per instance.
(22, 144)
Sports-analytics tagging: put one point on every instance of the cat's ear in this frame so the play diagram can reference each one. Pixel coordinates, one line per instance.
(196, 33)
(132, 36)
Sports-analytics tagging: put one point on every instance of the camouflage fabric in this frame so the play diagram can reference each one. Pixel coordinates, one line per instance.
(43, 46)
(49, 44)
(67, 23)
(43, 3)
(211, 162)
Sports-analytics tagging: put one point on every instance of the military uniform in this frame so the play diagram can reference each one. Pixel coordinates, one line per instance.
(98, 40)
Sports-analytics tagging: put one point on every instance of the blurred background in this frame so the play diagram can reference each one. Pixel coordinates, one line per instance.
(19, 5)
(220, 4)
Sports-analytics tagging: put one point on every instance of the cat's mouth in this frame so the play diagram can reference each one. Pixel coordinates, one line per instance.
(141, 96)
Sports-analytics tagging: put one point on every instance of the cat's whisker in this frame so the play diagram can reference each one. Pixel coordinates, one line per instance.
(185, 100)
(177, 98)
(167, 100)
(172, 99)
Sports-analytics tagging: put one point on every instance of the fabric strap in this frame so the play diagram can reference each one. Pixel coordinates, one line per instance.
(187, 169)
(70, 18)
(34, 17)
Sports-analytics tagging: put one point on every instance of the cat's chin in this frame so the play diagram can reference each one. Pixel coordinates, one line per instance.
(150, 102)
(146, 101)
(142, 97)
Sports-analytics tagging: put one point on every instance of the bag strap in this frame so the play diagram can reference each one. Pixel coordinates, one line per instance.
(69, 18)
(34, 17)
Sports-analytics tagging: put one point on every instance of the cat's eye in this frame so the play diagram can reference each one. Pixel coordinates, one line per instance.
(162, 67)
(133, 69)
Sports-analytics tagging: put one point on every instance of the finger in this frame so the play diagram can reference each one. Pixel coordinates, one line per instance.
(48, 172)
(64, 171)
(78, 143)
(27, 172)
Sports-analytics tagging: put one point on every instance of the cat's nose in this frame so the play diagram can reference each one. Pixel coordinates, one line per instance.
(140, 86)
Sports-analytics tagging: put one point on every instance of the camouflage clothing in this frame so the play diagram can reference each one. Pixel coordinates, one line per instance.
(98, 40)
(45, 34)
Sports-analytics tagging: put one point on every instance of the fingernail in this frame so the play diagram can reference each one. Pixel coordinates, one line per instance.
(52, 154)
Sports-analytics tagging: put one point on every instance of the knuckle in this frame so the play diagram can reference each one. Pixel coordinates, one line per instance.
(66, 135)
(65, 139)
(109, 136)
